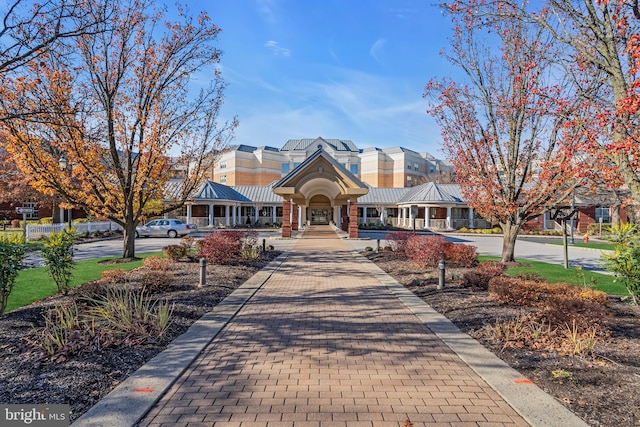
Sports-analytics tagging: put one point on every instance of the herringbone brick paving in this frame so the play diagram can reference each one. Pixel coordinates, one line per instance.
(323, 343)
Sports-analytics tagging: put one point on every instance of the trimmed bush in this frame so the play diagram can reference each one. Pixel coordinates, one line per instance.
(223, 247)
(481, 275)
(57, 252)
(560, 303)
(461, 255)
(175, 252)
(115, 276)
(156, 280)
(12, 253)
(398, 240)
(156, 263)
(426, 250)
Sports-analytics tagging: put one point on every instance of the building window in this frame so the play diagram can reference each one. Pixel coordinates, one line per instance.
(416, 166)
(223, 179)
(604, 214)
(431, 169)
(296, 164)
(353, 168)
(285, 168)
(409, 183)
(408, 165)
(223, 165)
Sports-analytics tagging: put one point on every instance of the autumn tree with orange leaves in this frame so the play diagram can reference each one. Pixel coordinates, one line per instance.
(123, 106)
(505, 123)
(27, 30)
(598, 44)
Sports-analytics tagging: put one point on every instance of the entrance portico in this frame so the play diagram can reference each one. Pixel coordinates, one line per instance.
(323, 191)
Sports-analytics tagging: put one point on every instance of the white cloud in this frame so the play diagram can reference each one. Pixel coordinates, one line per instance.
(377, 49)
(368, 109)
(276, 49)
(266, 9)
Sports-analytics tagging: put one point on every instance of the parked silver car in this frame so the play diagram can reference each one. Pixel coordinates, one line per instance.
(165, 228)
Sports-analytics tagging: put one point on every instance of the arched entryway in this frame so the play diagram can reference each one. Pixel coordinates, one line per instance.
(319, 211)
(326, 189)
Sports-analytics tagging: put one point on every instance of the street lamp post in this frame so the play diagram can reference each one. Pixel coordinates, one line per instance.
(66, 167)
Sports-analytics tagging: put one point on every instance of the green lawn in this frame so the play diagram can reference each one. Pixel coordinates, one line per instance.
(553, 273)
(35, 283)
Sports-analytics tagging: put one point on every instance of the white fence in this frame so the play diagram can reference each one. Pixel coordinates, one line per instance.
(37, 231)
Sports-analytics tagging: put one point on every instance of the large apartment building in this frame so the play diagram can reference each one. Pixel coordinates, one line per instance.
(394, 167)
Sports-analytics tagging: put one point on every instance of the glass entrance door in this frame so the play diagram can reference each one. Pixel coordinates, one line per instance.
(320, 216)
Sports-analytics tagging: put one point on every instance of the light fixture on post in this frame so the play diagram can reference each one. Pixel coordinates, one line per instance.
(66, 167)
(62, 164)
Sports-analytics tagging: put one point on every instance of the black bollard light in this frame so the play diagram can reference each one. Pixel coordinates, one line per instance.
(442, 269)
(203, 273)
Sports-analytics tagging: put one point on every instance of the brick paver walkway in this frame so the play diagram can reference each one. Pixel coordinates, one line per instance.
(324, 343)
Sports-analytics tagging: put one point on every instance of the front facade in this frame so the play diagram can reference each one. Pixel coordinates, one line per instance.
(328, 181)
(323, 189)
(387, 168)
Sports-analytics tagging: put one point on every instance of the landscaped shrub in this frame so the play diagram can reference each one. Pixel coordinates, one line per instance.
(156, 263)
(12, 253)
(461, 255)
(175, 252)
(626, 265)
(156, 280)
(622, 233)
(426, 250)
(481, 275)
(121, 316)
(561, 303)
(567, 309)
(187, 241)
(222, 247)
(398, 240)
(57, 252)
(15, 223)
(115, 276)
(250, 252)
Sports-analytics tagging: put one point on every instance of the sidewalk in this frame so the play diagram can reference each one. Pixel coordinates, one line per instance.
(325, 338)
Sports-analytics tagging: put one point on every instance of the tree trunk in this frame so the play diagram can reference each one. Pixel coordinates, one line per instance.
(615, 216)
(510, 234)
(129, 241)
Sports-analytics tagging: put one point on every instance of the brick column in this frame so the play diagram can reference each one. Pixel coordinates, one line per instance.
(353, 220)
(286, 223)
(294, 217)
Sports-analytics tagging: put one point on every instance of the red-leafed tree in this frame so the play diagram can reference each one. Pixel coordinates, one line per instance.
(123, 105)
(506, 124)
(598, 43)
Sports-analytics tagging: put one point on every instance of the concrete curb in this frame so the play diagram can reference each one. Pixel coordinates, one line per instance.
(534, 405)
(133, 398)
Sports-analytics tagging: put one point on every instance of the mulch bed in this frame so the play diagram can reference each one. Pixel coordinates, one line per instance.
(28, 375)
(601, 388)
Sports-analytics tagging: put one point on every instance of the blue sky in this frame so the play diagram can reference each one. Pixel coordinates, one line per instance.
(348, 69)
